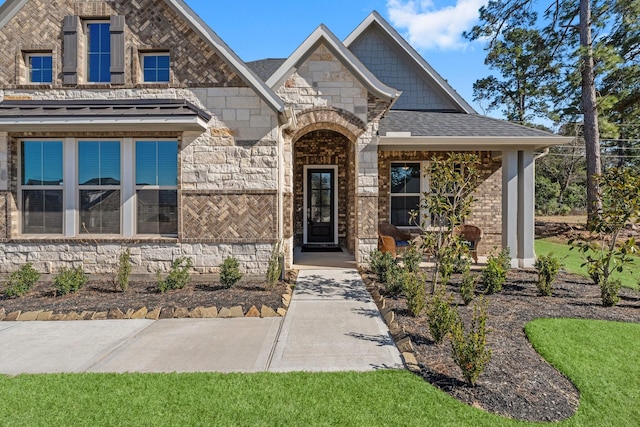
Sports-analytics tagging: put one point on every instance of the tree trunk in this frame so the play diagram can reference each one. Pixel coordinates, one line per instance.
(590, 111)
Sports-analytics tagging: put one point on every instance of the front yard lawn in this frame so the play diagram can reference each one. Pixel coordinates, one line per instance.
(602, 358)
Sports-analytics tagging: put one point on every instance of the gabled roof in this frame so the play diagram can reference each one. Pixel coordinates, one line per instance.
(11, 7)
(264, 68)
(322, 35)
(376, 20)
(160, 114)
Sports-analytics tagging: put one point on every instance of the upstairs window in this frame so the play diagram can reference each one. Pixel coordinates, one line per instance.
(98, 52)
(156, 67)
(40, 68)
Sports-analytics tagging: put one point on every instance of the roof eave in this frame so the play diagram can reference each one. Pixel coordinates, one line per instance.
(474, 143)
(104, 124)
(9, 9)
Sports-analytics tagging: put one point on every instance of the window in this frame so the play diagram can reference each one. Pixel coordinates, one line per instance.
(98, 52)
(155, 67)
(41, 187)
(156, 187)
(99, 182)
(406, 190)
(40, 67)
(80, 186)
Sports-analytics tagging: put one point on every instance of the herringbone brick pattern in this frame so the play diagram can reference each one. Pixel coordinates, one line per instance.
(229, 218)
(367, 217)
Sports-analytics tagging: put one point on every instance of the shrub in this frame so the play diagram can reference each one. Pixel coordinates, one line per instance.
(468, 286)
(394, 279)
(69, 280)
(413, 288)
(178, 276)
(469, 348)
(124, 269)
(230, 272)
(461, 264)
(548, 267)
(447, 264)
(609, 292)
(380, 263)
(412, 258)
(21, 281)
(495, 272)
(275, 266)
(440, 314)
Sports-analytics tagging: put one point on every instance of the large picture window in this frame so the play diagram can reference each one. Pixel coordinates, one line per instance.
(92, 187)
(157, 187)
(99, 182)
(41, 187)
(406, 179)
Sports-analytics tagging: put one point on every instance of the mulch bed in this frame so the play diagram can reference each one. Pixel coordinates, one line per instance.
(517, 382)
(103, 296)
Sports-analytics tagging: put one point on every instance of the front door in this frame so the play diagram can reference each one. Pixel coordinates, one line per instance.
(321, 204)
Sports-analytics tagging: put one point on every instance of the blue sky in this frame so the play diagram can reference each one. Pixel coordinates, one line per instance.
(258, 29)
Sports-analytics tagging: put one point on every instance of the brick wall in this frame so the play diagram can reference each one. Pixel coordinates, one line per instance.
(486, 211)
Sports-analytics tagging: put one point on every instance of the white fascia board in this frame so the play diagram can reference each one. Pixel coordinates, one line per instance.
(104, 124)
(9, 9)
(470, 143)
(220, 46)
(323, 35)
(376, 18)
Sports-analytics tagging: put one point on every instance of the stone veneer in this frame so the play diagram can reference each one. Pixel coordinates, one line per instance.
(486, 211)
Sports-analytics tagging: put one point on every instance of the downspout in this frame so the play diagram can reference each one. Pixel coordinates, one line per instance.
(541, 155)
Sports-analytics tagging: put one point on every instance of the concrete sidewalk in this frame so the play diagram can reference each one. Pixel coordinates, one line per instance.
(332, 325)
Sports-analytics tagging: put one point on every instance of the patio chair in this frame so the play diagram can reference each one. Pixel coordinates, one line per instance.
(391, 239)
(473, 235)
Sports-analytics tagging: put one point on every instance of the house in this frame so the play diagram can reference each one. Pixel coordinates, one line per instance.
(133, 125)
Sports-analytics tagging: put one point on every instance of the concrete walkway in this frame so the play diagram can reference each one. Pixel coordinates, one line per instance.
(332, 325)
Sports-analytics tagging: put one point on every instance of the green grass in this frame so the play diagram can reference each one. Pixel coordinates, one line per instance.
(602, 358)
(572, 261)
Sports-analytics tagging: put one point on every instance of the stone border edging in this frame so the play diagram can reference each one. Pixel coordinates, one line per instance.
(399, 335)
(155, 314)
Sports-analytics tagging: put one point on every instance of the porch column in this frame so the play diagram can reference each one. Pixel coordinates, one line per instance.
(4, 156)
(526, 208)
(510, 203)
(367, 196)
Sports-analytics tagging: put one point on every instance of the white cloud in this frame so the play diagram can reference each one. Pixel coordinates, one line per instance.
(428, 26)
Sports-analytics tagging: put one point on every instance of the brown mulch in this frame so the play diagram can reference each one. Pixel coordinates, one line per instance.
(517, 382)
(102, 296)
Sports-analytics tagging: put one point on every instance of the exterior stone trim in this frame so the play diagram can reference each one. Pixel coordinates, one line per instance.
(328, 118)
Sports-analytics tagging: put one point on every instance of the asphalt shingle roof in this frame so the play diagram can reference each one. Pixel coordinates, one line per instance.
(264, 68)
(431, 123)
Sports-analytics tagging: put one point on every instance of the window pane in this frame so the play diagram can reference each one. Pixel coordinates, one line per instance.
(99, 52)
(99, 163)
(100, 211)
(155, 68)
(157, 212)
(405, 178)
(40, 69)
(157, 163)
(42, 211)
(41, 163)
(401, 207)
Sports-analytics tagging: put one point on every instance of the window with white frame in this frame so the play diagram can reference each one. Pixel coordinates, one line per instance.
(407, 185)
(156, 67)
(98, 51)
(40, 68)
(41, 187)
(100, 184)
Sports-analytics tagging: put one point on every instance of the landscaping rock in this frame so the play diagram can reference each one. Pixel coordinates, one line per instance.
(267, 312)
(87, 315)
(58, 317)
(115, 313)
(181, 313)
(210, 313)
(390, 317)
(29, 316)
(99, 315)
(405, 345)
(236, 311)
(12, 317)
(45, 315)
(72, 315)
(253, 312)
(129, 313)
(282, 312)
(166, 313)
(411, 362)
(153, 314)
(224, 313)
(196, 313)
(141, 313)
(2, 313)
(286, 300)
